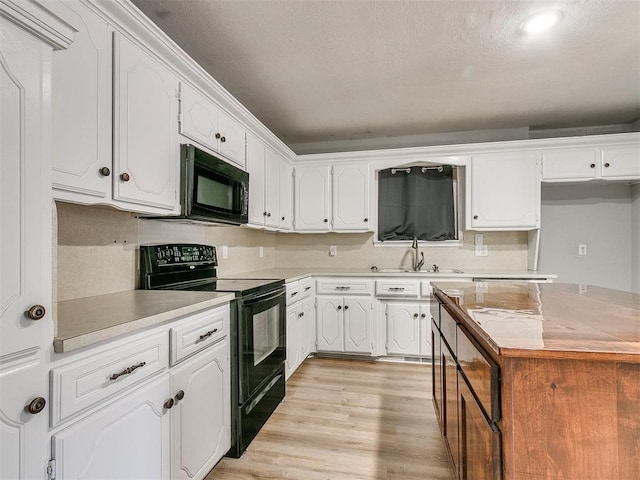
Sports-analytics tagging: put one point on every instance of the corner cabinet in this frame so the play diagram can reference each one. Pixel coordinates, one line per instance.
(332, 198)
(503, 191)
(29, 35)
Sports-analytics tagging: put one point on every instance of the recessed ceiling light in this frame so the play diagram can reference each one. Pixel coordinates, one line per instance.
(541, 21)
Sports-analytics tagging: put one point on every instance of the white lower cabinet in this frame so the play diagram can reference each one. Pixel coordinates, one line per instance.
(301, 324)
(128, 439)
(201, 415)
(293, 352)
(408, 331)
(344, 324)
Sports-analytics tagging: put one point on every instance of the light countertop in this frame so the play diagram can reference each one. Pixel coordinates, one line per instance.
(86, 321)
(549, 320)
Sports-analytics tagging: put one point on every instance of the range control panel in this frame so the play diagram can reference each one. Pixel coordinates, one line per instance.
(179, 254)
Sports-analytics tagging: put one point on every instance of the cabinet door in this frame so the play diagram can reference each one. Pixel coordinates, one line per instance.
(621, 162)
(570, 164)
(272, 188)
(403, 328)
(425, 330)
(255, 166)
(25, 249)
(309, 328)
(351, 197)
(232, 139)
(330, 326)
(436, 373)
(201, 421)
(198, 117)
(146, 153)
(357, 325)
(81, 108)
(312, 198)
(293, 340)
(286, 195)
(450, 403)
(505, 191)
(480, 457)
(129, 439)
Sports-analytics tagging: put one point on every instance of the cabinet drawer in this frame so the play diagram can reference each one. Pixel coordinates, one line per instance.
(448, 329)
(306, 284)
(293, 292)
(481, 372)
(197, 332)
(89, 380)
(334, 286)
(397, 288)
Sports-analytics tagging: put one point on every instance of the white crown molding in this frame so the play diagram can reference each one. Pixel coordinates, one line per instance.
(35, 18)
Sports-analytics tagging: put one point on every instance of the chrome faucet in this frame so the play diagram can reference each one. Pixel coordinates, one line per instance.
(417, 265)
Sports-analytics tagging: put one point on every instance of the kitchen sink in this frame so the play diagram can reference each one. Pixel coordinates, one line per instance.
(406, 270)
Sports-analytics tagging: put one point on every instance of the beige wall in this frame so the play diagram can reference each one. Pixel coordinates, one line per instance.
(97, 249)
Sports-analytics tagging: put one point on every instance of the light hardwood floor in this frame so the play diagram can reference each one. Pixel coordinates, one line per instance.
(348, 420)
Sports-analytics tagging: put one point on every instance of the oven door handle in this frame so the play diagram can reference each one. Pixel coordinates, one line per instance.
(257, 298)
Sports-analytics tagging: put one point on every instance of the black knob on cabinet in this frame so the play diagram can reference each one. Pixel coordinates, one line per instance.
(423, 315)
(223, 139)
(36, 405)
(339, 307)
(475, 217)
(104, 171)
(168, 404)
(36, 312)
(269, 214)
(264, 213)
(125, 177)
(218, 135)
(283, 219)
(415, 315)
(366, 219)
(325, 220)
(179, 395)
(606, 165)
(593, 165)
(346, 307)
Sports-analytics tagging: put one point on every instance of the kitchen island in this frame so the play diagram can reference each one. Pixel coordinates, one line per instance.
(537, 381)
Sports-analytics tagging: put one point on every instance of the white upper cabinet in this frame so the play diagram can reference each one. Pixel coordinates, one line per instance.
(504, 191)
(146, 151)
(312, 198)
(202, 121)
(351, 197)
(614, 162)
(81, 109)
(270, 190)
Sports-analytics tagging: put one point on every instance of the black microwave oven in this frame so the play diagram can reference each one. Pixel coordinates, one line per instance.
(212, 190)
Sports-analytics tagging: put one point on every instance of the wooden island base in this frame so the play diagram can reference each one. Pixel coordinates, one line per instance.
(546, 382)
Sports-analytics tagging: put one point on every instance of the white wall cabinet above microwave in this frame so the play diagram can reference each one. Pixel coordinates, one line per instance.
(503, 192)
(614, 162)
(332, 198)
(128, 158)
(203, 122)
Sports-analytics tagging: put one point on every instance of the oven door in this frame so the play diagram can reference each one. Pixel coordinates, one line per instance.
(261, 339)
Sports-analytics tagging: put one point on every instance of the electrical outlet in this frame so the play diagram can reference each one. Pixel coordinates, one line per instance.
(482, 251)
(478, 239)
(582, 249)
(333, 250)
(225, 251)
(261, 250)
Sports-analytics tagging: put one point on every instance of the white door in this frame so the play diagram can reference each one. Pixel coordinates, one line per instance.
(201, 420)
(351, 197)
(425, 330)
(505, 191)
(403, 328)
(621, 161)
(81, 108)
(272, 188)
(198, 117)
(570, 164)
(126, 440)
(293, 335)
(286, 195)
(312, 198)
(329, 324)
(357, 325)
(309, 329)
(255, 166)
(25, 250)
(146, 151)
(232, 139)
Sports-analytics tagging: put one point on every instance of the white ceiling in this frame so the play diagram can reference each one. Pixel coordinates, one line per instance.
(323, 72)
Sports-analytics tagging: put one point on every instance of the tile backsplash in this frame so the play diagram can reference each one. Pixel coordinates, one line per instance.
(97, 249)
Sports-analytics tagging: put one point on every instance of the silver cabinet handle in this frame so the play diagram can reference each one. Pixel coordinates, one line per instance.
(207, 335)
(127, 370)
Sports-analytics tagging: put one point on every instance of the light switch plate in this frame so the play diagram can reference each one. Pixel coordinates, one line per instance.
(261, 250)
(333, 250)
(225, 251)
(482, 251)
(478, 239)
